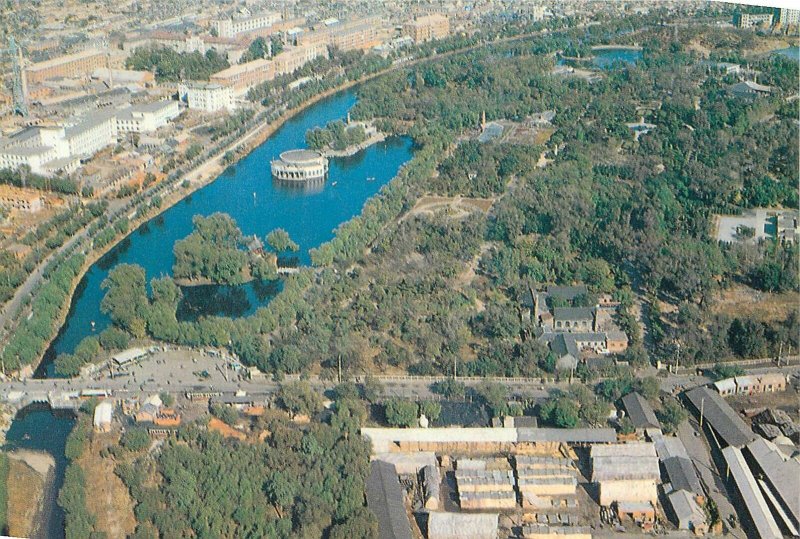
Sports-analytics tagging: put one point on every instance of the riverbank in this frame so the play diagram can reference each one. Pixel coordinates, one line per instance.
(31, 481)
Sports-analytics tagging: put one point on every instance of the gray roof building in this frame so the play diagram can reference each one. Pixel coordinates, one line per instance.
(462, 525)
(688, 515)
(682, 475)
(782, 475)
(753, 501)
(568, 293)
(385, 500)
(723, 419)
(640, 412)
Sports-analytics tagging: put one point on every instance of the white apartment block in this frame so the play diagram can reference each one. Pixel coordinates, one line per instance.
(788, 16)
(208, 97)
(230, 27)
(48, 150)
(148, 117)
(92, 134)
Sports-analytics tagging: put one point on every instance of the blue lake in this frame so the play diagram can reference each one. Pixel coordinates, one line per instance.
(789, 52)
(605, 59)
(259, 205)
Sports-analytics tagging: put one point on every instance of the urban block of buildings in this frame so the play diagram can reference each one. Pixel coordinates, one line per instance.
(427, 28)
(47, 150)
(752, 384)
(573, 333)
(244, 22)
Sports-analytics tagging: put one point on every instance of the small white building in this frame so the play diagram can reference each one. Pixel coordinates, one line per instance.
(103, 414)
(207, 96)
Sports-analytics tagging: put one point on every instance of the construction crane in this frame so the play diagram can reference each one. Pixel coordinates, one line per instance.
(19, 89)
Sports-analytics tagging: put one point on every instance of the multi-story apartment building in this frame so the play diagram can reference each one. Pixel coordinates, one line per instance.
(787, 16)
(80, 64)
(207, 96)
(242, 77)
(427, 28)
(354, 35)
(292, 59)
(239, 24)
(48, 150)
(147, 117)
(748, 20)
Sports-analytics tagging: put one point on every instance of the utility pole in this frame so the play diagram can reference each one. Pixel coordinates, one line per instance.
(702, 406)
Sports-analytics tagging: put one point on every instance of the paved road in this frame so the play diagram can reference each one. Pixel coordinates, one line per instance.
(179, 370)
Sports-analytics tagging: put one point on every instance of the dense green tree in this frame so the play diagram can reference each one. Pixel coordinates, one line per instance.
(172, 66)
(279, 240)
(126, 300)
(401, 413)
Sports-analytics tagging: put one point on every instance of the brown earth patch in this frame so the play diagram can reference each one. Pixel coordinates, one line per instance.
(107, 497)
(25, 490)
(744, 302)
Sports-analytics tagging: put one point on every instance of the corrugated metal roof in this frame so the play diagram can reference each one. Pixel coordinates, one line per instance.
(639, 411)
(682, 475)
(754, 501)
(601, 436)
(722, 418)
(462, 525)
(385, 500)
(783, 474)
(635, 449)
(686, 509)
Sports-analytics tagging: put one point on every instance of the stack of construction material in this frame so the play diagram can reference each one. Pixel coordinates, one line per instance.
(544, 531)
(485, 484)
(431, 481)
(541, 478)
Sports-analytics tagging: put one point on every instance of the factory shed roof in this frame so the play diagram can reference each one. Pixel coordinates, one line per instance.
(600, 436)
(625, 468)
(682, 475)
(385, 500)
(639, 411)
(781, 472)
(461, 525)
(635, 449)
(669, 446)
(407, 462)
(685, 508)
(722, 418)
(754, 501)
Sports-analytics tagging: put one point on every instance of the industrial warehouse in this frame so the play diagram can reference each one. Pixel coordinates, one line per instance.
(586, 482)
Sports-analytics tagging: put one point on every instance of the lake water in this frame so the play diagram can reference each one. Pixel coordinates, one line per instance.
(259, 205)
(605, 59)
(37, 428)
(789, 52)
